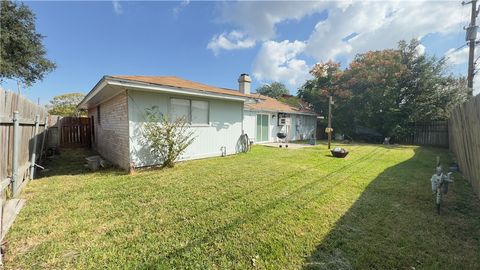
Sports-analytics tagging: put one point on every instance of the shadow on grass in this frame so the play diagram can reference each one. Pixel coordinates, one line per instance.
(393, 224)
(70, 161)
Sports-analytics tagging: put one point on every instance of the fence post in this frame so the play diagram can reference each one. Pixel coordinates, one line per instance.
(59, 131)
(16, 144)
(45, 130)
(33, 157)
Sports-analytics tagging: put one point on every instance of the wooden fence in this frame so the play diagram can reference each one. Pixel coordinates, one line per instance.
(22, 137)
(74, 132)
(464, 124)
(433, 133)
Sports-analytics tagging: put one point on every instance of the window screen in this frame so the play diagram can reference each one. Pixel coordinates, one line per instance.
(200, 112)
(180, 108)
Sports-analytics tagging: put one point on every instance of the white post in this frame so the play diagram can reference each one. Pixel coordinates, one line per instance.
(45, 130)
(16, 145)
(59, 132)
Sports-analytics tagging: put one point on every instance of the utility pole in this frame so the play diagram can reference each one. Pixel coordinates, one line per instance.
(329, 129)
(471, 37)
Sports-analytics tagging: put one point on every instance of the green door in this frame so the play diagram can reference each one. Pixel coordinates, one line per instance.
(262, 128)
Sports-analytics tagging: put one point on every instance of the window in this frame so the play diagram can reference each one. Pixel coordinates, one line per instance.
(98, 115)
(92, 128)
(180, 108)
(199, 112)
(195, 112)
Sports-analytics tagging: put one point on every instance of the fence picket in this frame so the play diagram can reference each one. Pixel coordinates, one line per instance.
(74, 131)
(433, 133)
(24, 150)
(464, 137)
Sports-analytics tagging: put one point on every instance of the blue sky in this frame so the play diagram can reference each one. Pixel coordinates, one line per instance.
(213, 42)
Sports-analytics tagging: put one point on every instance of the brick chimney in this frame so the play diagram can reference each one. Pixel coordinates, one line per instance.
(244, 83)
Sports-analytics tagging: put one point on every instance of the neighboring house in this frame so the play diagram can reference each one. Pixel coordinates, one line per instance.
(218, 116)
(262, 120)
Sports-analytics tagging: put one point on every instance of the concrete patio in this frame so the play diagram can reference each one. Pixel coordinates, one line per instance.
(290, 145)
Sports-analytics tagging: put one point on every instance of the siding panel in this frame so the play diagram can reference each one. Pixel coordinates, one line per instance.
(224, 130)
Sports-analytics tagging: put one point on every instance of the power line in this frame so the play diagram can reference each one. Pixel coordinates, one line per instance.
(445, 57)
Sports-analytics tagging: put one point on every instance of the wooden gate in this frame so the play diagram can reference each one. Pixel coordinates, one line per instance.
(75, 132)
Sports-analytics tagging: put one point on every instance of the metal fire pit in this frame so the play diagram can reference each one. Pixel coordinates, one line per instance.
(339, 152)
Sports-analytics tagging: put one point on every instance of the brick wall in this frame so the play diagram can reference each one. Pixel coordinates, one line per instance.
(111, 133)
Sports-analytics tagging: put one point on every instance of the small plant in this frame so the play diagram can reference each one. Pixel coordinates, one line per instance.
(167, 139)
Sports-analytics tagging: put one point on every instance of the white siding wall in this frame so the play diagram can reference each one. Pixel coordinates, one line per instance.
(249, 124)
(302, 126)
(224, 130)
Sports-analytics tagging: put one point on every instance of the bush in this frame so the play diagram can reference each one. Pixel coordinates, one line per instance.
(167, 139)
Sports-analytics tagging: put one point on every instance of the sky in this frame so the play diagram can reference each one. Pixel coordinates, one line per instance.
(214, 42)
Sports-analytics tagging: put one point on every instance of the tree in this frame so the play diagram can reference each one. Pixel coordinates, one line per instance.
(274, 90)
(22, 54)
(327, 81)
(66, 105)
(392, 89)
(428, 93)
(167, 139)
(373, 78)
(385, 90)
(291, 100)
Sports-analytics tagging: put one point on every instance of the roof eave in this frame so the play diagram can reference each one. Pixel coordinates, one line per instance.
(100, 85)
(283, 111)
(108, 80)
(172, 89)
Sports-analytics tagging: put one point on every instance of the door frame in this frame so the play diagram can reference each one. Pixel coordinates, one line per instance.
(268, 127)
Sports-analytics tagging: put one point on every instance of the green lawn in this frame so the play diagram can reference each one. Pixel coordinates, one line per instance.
(268, 209)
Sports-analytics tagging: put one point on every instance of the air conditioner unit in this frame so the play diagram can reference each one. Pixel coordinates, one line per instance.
(283, 121)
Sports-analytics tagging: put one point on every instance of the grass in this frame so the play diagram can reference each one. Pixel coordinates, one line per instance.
(268, 209)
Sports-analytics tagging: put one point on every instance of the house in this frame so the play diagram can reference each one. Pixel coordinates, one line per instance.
(263, 117)
(218, 116)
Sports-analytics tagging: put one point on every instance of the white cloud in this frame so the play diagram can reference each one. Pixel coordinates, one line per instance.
(380, 25)
(278, 61)
(421, 49)
(230, 41)
(476, 85)
(457, 57)
(117, 7)
(180, 7)
(351, 27)
(258, 18)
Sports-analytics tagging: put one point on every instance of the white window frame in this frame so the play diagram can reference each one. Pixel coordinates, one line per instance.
(189, 120)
